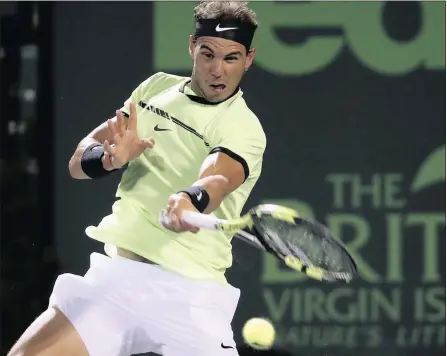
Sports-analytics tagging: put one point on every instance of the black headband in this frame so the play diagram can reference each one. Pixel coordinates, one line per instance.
(231, 30)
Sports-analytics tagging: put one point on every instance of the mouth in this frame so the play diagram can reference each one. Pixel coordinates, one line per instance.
(218, 87)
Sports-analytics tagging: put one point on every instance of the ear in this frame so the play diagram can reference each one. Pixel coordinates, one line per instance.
(192, 46)
(250, 57)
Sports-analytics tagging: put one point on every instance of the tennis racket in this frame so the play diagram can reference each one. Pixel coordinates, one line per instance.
(303, 244)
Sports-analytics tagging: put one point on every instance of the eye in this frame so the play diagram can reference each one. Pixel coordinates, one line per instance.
(207, 55)
(231, 59)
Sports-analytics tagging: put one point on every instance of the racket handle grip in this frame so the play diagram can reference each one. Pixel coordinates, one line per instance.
(200, 220)
(196, 219)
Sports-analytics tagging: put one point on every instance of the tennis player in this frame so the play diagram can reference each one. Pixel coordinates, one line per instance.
(183, 144)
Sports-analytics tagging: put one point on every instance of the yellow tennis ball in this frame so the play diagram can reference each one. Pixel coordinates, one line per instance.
(259, 333)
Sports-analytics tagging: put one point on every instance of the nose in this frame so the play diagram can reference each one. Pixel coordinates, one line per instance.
(216, 68)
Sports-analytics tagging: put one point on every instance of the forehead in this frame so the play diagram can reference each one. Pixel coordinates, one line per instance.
(220, 45)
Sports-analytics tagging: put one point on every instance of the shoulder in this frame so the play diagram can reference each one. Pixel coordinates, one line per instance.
(160, 81)
(240, 116)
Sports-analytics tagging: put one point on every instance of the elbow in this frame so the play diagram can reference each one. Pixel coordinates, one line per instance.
(71, 169)
(74, 168)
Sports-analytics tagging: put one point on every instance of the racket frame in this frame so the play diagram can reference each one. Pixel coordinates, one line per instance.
(238, 227)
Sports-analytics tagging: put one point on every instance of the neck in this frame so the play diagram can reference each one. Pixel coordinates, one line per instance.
(195, 88)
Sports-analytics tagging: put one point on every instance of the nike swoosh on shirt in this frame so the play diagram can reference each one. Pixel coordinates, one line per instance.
(156, 128)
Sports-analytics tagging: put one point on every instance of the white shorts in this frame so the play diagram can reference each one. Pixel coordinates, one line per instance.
(123, 307)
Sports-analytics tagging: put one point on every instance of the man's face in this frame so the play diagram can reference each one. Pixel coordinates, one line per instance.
(219, 65)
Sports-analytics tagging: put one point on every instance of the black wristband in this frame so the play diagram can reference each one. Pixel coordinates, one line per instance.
(91, 161)
(199, 197)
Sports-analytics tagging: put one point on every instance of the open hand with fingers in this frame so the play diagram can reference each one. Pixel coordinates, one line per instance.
(128, 145)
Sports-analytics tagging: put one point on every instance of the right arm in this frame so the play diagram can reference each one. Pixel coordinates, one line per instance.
(103, 132)
(98, 135)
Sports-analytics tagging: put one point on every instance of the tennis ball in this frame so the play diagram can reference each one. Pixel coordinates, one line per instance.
(259, 333)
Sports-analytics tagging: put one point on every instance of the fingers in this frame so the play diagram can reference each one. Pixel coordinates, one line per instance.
(174, 209)
(175, 223)
(132, 122)
(111, 127)
(178, 225)
(184, 226)
(109, 148)
(188, 227)
(119, 115)
(147, 142)
(171, 222)
(120, 124)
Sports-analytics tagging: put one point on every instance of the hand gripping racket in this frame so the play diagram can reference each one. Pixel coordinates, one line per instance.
(303, 244)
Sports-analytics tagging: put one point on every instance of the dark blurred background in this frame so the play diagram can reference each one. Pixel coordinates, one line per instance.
(352, 98)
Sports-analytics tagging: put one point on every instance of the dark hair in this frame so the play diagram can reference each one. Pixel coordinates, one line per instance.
(225, 10)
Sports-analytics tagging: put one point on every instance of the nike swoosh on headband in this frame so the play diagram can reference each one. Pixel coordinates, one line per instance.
(220, 29)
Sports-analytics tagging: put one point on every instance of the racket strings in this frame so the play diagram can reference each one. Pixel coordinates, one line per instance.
(308, 241)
